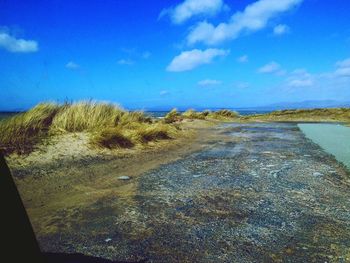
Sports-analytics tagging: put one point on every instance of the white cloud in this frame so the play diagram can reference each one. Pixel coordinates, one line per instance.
(343, 68)
(190, 8)
(16, 45)
(300, 83)
(271, 67)
(189, 60)
(209, 82)
(329, 84)
(127, 62)
(343, 72)
(343, 63)
(72, 65)
(254, 17)
(280, 30)
(243, 59)
(164, 93)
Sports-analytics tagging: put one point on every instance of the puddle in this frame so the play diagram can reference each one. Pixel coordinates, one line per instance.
(333, 138)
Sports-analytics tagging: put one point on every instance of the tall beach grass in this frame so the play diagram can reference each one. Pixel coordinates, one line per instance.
(108, 124)
(20, 132)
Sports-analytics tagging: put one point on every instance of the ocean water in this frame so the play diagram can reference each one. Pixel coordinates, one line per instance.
(333, 138)
(4, 115)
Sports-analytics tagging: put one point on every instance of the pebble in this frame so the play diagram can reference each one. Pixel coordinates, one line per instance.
(124, 177)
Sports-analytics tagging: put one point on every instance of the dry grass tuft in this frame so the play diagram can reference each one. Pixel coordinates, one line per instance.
(207, 114)
(172, 116)
(21, 132)
(192, 114)
(111, 138)
(154, 132)
(223, 114)
(87, 116)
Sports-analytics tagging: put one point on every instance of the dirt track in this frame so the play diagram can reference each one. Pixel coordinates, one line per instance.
(251, 193)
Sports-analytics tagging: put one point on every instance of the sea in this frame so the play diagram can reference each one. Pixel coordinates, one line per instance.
(4, 115)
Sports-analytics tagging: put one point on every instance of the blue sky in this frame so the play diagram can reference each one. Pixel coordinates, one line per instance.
(179, 53)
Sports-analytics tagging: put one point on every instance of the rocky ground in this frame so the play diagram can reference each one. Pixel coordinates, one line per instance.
(253, 193)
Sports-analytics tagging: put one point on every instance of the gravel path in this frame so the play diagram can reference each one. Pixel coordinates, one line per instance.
(264, 194)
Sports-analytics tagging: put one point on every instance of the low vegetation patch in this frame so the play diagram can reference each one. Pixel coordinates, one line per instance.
(21, 132)
(111, 138)
(94, 116)
(154, 133)
(110, 126)
(172, 116)
(223, 114)
(192, 114)
(207, 114)
(327, 114)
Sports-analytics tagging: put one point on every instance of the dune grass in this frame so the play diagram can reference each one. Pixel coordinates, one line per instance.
(192, 114)
(155, 132)
(109, 126)
(326, 114)
(172, 116)
(94, 116)
(111, 138)
(223, 114)
(207, 115)
(20, 132)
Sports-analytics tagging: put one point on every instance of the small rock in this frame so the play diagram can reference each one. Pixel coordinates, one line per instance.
(108, 240)
(124, 177)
